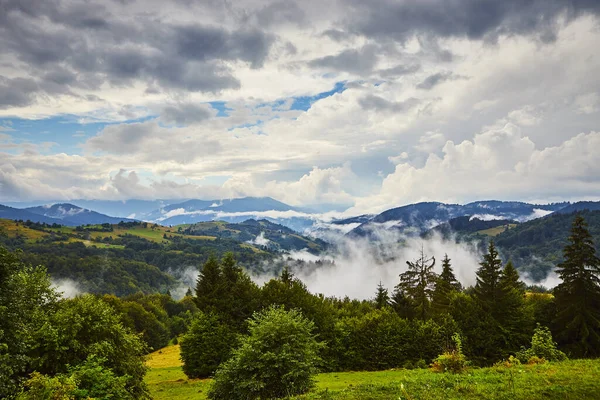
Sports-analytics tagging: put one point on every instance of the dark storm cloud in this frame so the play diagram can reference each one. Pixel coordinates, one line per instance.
(17, 92)
(104, 47)
(186, 114)
(280, 12)
(474, 19)
(355, 61)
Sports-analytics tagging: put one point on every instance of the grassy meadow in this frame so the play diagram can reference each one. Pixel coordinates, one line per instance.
(576, 379)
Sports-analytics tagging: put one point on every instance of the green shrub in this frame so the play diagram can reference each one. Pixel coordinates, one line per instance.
(542, 346)
(453, 360)
(88, 380)
(278, 359)
(206, 345)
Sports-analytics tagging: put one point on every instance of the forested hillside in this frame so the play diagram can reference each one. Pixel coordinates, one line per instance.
(130, 257)
(536, 246)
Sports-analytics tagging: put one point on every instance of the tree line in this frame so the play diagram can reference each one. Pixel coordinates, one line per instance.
(495, 318)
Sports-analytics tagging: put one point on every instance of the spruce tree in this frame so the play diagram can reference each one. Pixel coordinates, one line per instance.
(445, 284)
(487, 289)
(510, 310)
(578, 295)
(208, 286)
(418, 283)
(401, 304)
(382, 299)
(510, 278)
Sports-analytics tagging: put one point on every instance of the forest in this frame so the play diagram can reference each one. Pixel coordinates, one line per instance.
(268, 341)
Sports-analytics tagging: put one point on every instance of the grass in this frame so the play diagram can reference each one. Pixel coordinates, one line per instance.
(575, 379)
(12, 229)
(497, 230)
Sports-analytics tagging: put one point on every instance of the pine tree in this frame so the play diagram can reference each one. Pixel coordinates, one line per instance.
(510, 278)
(578, 295)
(382, 299)
(401, 304)
(445, 284)
(510, 310)
(208, 285)
(286, 277)
(418, 283)
(487, 289)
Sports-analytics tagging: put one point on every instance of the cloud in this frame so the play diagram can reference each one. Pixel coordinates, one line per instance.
(499, 163)
(355, 61)
(433, 80)
(186, 114)
(399, 20)
(16, 92)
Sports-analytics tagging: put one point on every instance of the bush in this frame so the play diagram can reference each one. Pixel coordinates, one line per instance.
(278, 359)
(542, 347)
(207, 344)
(89, 380)
(451, 361)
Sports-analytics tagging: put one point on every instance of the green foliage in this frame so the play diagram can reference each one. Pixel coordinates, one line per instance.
(418, 283)
(206, 345)
(444, 285)
(226, 290)
(44, 387)
(536, 245)
(89, 380)
(26, 303)
(578, 295)
(278, 359)
(542, 347)
(452, 360)
(86, 327)
(382, 299)
(488, 290)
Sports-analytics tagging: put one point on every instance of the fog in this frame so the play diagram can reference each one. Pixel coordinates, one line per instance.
(359, 264)
(68, 288)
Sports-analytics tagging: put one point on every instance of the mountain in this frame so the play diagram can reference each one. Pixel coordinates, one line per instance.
(69, 214)
(580, 206)
(536, 246)
(25, 215)
(261, 233)
(125, 208)
(230, 210)
(420, 217)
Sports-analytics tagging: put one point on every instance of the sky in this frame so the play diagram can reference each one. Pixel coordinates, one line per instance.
(346, 104)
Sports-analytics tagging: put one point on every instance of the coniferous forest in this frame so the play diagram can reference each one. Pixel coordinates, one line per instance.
(268, 341)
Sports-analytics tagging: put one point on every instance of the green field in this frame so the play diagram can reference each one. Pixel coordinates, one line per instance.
(497, 230)
(577, 379)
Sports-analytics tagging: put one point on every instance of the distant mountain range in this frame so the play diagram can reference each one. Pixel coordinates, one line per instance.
(420, 217)
(62, 214)
(413, 219)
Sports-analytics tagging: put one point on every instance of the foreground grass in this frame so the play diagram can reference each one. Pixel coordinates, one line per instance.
(577, 379)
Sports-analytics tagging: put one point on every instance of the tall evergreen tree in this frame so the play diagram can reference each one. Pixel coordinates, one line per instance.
(487, 289)
(516, 324)
(382, 298)
(444, 285)
(510, 278)
(208, 285)
(578, 295)
(401, 304)
(418, 283)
